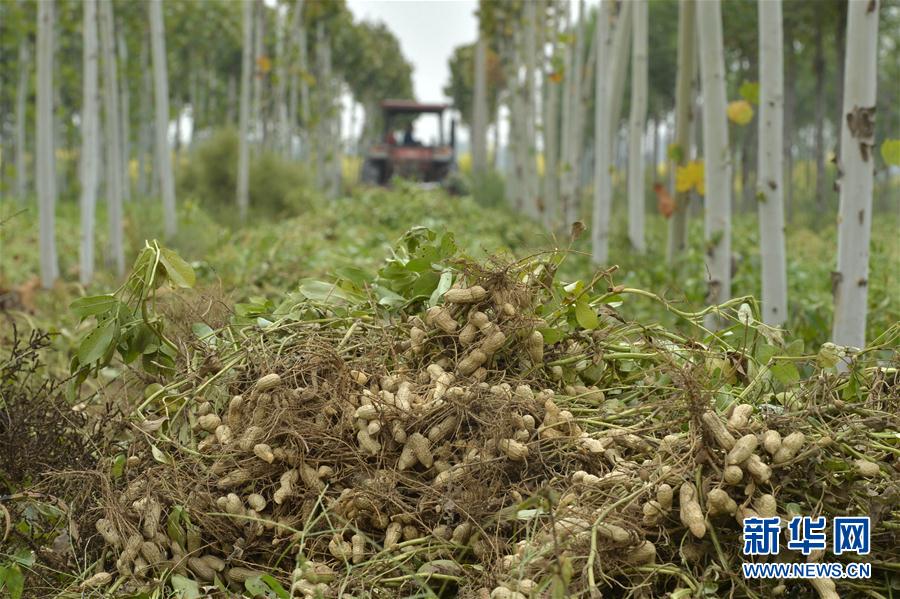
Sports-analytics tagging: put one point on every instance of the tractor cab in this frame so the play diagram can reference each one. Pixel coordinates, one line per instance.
(402, 149)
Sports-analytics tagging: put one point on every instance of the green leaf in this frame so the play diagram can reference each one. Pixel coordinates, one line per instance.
(185, 587)
(749, 91)
(118, 466)
(255, 586)
(785, 372)
(550, 335)
(795, 348)
(275, 586)
(13, 579)
(97, 342)
(179, 271)
(890, 151)
(585, 314)
(93, 305)
(160, 456)
(442, 287)
(765, 353)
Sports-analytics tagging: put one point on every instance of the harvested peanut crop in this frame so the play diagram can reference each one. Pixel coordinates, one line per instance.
(510, 436)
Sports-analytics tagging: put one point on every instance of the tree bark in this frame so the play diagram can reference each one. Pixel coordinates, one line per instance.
(571, 135)
(684, 116)
(530, 114)
(282, 136)
(840, 50)
(770, 179)
(258, 52)
(790, 103)
(89, 142)
(715, 147)
(551, 135)
(637, 123)
(111, 129)
(819, 71)
(480, 108)
(145, 133)
(21, 107)
(46, 162)
(243, 174)
(125, 114)
(161, 95)
(857, 165)
(618, 69)
(602, 145)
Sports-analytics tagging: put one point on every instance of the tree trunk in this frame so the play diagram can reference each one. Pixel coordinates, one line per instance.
(480, 108)
(551, 135)
(637, 122)
(857, 165)
(298, 36)
(161, 95)
(258, 52)
(46, 163)
(89, 142)
(282, 136)
(125, 114)
(840, 50)
(618, 69)
(145, 133)
(771, 199)
(602, 145)
(819, 71)
(532, 202)
(571, 135)
(112, 122)
(715, 149)
(790, 104)
(243, 174)
(21, 107)
(684, 116)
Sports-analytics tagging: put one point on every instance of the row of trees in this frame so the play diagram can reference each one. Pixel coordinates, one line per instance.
(100, 91)
(553, 74)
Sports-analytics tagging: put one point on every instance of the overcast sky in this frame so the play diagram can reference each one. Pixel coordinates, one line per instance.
(428, 31)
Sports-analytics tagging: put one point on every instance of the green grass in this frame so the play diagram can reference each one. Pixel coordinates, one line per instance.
(271, 256)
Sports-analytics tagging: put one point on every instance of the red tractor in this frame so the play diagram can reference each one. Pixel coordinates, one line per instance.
(399, 152)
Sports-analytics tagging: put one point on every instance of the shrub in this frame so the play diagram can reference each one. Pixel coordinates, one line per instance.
(277, 186)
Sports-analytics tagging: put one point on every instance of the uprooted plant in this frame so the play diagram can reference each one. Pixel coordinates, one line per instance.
(449, 427)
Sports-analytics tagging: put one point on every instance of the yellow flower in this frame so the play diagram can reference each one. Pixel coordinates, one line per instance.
(690, 176)
(740, 112)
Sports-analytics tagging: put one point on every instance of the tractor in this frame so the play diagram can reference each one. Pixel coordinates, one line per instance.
(398, 152)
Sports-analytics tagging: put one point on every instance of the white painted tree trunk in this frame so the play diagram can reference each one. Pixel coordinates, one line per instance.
(618, 69)
(480, 107)
(145, 144)
(21, 107)
(256, 113)
(297, 38)
(716, 155)
(857, 163)
(551, 94)
(770, 178)
(112, 121)
(602, 162)
(283, 135)
(637, 122)
(90, 132)
(161, 97)
(243, 174)
(530, 112)
(569, 106)
(684, 117)
(46, 163)
(125, 113)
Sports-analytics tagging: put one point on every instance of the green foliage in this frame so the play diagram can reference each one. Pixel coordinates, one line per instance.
(126, 323)
(209, 175)
(488, 188)
(890, 151)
